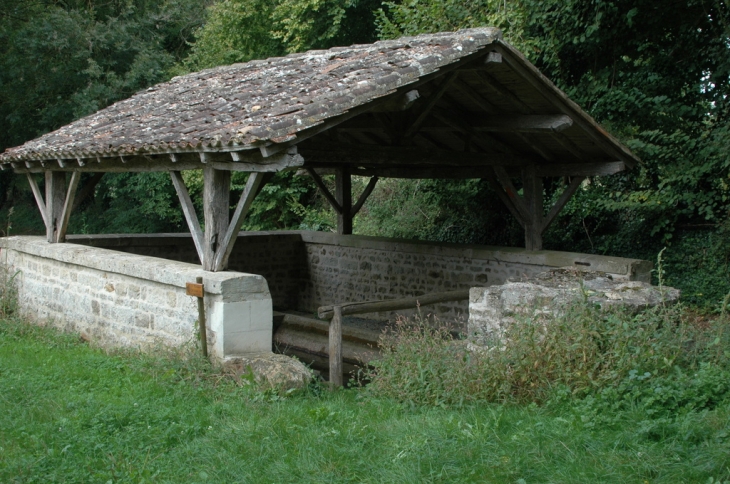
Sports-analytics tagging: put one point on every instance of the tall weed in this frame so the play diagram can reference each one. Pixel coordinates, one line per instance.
(584, 352)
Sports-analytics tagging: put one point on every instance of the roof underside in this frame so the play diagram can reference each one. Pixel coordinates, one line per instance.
(450, 105)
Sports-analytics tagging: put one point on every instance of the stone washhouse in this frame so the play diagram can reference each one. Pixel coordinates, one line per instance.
(452, 105)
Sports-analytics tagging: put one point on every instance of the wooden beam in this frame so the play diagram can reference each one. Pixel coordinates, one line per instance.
(68, 207)
(507, 201)
(430, 103)
(335, 347)
(564, 197)
(580, 169)
(325, 191)
(87, 189)
(509, 189)
(216, 203)
(55, 195)
(326, 312)
(253, 186)
(247, 161)
(38, 199)
(343, 192)
(189, 211)
(364, 195)
(533, 196)
(363, 155)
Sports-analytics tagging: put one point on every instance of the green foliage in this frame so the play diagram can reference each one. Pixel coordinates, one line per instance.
(242, 30)
(584, 352)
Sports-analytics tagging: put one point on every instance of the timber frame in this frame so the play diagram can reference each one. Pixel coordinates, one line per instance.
(451, 105)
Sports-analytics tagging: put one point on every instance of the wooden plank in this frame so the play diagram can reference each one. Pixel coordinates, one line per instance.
(364, 195)
(202, 325)
(335, 347)
(343, 192)
(68, 206)
(216, 204)
(326, 312)
(194, 289)
(325, 191)
(430, 103)
(564, 197)
(189, 211)
(87, 189)
(55, 195)
(253, 186)
(38, 199)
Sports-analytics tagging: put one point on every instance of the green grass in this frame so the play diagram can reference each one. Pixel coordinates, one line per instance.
(71, 413)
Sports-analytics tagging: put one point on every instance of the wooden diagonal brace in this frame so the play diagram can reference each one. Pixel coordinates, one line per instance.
(38, 198)
(256, 181)
(364, 196)
(60, 235)
(511, 193)
(189, 211)
(567, 193)
(325, 191)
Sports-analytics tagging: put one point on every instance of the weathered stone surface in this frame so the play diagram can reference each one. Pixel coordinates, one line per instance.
(118, 299)
(306, 270)
(548, 294)
(271, 371)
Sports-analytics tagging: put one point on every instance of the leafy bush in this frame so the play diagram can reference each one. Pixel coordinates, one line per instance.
(585, 353)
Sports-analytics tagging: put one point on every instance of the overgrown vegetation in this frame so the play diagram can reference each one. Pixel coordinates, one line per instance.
(72, 413)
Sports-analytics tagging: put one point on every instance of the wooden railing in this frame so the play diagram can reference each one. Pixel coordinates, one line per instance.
(335, 313)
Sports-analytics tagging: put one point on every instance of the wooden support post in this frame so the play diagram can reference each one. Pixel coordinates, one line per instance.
(532, 188)
(55, 195)
(216, 199)
(335, 347)
(343, 192)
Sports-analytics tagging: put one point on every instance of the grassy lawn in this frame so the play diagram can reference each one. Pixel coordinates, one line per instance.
(71, 413)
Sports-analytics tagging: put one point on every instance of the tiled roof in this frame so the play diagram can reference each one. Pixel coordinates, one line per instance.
(246, 105)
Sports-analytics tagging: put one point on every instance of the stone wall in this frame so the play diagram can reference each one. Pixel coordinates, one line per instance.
(119, 299)
(306, 270)
(356, 268)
